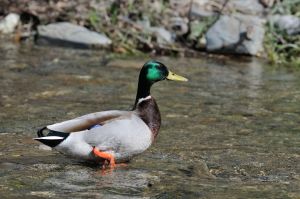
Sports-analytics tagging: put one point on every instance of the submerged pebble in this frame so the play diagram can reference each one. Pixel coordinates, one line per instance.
(44, 147)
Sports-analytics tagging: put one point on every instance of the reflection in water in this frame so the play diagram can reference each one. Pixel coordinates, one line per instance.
(232, 131)
(254, 76)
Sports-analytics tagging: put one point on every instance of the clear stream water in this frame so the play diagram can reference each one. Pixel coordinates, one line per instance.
(232, 131)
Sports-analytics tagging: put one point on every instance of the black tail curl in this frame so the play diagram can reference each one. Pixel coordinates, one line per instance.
(40, 132)
(51, 133)
(48, 139)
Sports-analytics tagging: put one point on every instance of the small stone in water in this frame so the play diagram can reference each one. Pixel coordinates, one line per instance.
(42, 193)
(44, 147)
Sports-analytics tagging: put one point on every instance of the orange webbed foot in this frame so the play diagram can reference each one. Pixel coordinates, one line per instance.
(107, 156)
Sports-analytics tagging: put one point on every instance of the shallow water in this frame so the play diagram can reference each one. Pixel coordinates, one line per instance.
(232, 131)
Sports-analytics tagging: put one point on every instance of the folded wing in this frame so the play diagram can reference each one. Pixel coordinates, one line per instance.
(87, 121)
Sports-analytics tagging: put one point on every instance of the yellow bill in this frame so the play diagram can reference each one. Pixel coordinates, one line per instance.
(174, 77)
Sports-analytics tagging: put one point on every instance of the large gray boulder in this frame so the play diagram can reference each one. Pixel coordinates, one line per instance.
(70, 35)
(240, 34)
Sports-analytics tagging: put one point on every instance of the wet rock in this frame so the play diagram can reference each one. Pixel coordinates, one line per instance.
(162, 35)
(288, 23)
(179, 25)
(223, 33)
(201, 43)
(240, 171)
(237, 33)
(70, 35)
(44, 147)
(199, 169)
(9, 23)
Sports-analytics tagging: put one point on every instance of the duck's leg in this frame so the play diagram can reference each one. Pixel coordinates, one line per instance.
(105, 156)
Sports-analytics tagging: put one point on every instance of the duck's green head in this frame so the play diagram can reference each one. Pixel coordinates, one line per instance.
(154, 71)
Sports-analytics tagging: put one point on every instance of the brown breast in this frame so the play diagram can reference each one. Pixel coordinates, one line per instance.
(149, 112)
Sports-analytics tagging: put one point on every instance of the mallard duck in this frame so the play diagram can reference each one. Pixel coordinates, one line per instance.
(114, 136)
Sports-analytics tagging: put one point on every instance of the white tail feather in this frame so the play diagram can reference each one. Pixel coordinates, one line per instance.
(49, 138)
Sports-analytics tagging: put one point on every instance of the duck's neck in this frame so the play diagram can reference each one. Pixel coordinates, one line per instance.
(143, 90)
(146, 106)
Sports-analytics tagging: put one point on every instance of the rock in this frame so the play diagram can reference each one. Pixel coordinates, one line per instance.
(9, 23)
(180, 7)
(204, 8)
(70, 35)
(249, 7)
(288, 23)
(237, 33)
(162, 35)
(201, 169)
(198, 8)
(179, 25)
(201, 43)
(209, 8)
(44, 147)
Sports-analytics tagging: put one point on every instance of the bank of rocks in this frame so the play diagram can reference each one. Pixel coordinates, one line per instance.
(217, 26)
